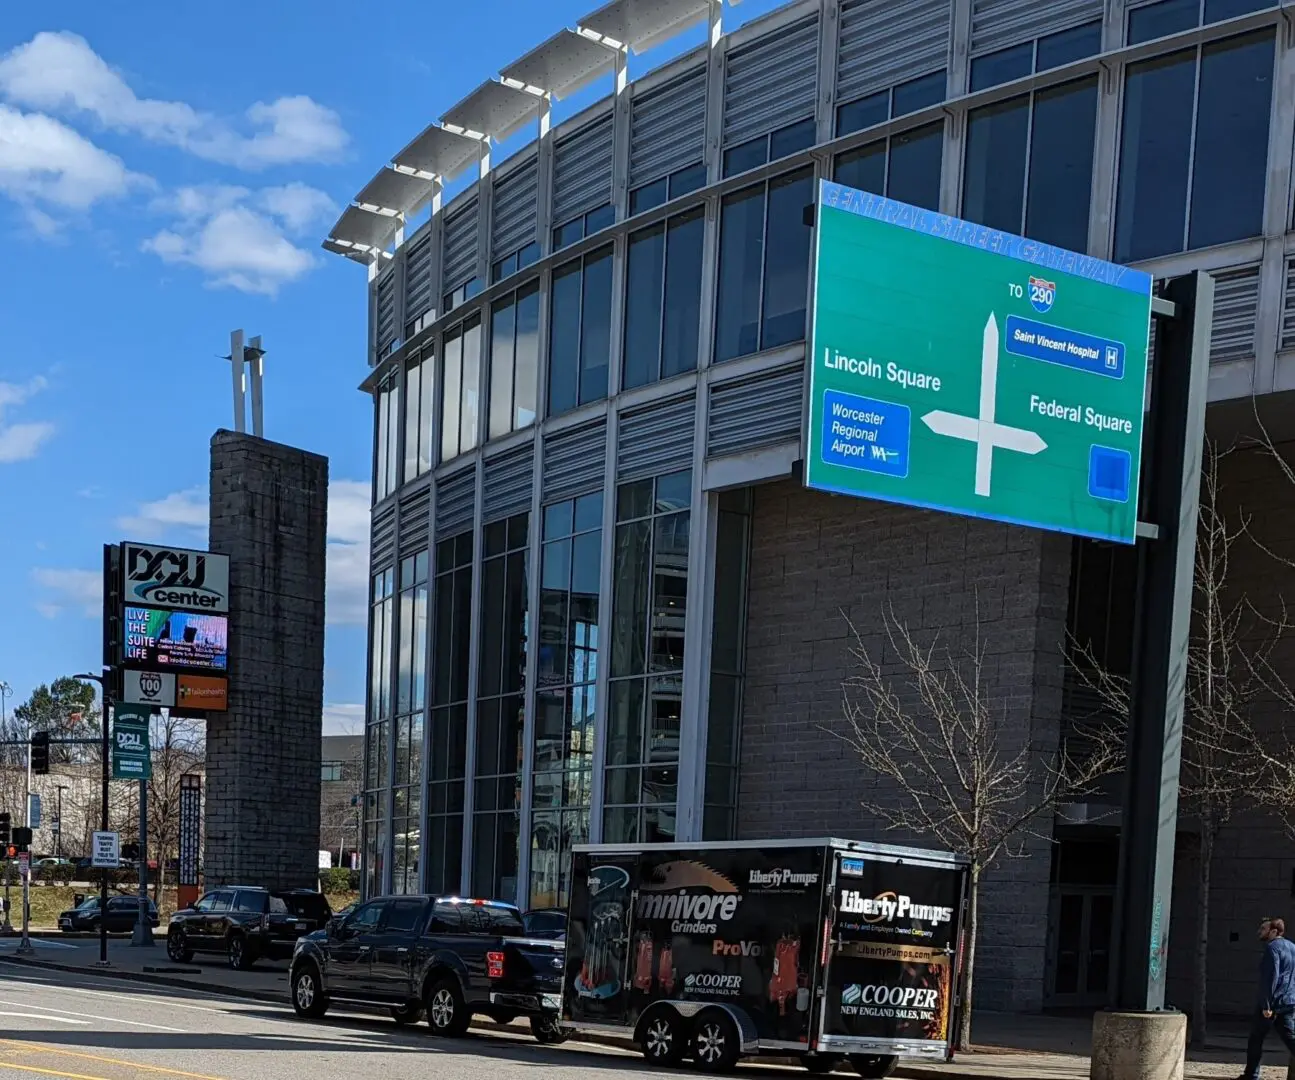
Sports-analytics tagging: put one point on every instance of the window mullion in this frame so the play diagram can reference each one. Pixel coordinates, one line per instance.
(665, 258)
(764, 266)
(1191, 151)
(1025, 172)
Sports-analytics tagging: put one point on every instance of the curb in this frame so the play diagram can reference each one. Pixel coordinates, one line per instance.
(594, 1038)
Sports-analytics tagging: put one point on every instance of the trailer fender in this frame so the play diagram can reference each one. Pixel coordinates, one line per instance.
(687, 1010)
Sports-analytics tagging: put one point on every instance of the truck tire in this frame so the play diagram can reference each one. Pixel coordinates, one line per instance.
(447, 1012)
(662, 1038)
(548, 1030)
(873, 1066)
(715, 1043)
(821, 1064)
(177, 946)
(408, 1013)
(308, 998)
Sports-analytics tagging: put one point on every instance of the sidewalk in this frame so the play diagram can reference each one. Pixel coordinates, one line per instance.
(1011, 1047)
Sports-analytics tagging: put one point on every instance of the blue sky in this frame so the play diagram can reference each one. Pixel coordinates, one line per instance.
(165, 178)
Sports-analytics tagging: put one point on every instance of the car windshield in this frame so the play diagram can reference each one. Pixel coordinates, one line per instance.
(88, 904)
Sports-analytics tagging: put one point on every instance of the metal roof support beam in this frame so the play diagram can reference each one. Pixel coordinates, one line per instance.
(621, 137)
(544, 178)
(715, 94)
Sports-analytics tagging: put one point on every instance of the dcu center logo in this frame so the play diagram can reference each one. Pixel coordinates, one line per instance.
(1042, 294)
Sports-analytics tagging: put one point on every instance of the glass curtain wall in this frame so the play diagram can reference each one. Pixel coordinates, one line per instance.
(571, 568)
(386, 463)
(649, 609)
(411, 700)
(382, 626)
(461, 389)
(514, 361)
(419, 390)
(447, 747)
(501, 688)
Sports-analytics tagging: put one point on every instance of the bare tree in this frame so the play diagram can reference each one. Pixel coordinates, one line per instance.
(179, 747)
(935, 728)
(1225, 765)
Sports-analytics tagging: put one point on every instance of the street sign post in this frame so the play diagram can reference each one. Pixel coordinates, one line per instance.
(958, 368)
(131, 756)
(24, 874)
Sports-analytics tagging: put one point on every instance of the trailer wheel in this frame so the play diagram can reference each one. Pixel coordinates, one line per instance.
(821, 1064)
(662, 1038)
(715, 1043)
(873, 1066)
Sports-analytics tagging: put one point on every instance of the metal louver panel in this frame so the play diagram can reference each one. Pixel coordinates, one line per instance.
(456, 498)
(756, 412)
(573, 461)
(382, 537)
(1236, 309)
(995, 24)
(415, 520)
(1288, 307)
(506, 485)
(771, 82)
(656, 439)
(885, 42)
(418, 276)
(582, 170)
(386, 313)
(513, 223)
(459, 249)
(668, 127)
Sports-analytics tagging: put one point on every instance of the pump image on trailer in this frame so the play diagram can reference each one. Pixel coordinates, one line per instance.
(830, 950)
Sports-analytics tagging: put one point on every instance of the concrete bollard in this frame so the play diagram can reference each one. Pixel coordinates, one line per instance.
(1138, 1046)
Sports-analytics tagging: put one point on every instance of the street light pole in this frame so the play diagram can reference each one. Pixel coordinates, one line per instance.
(58, 833)
(103, 816)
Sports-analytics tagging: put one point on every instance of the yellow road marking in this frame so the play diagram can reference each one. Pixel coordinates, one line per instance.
(26, 1046)
(50, 1072)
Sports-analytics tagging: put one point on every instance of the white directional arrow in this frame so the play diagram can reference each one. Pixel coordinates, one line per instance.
(982, 429)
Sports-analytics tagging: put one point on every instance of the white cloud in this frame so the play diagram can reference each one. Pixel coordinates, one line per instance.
(343, 719)
(348, 553)
(21, 442)
(78, 590)
(42, 160)
(181, 511)
(239, 238)
(60, 72)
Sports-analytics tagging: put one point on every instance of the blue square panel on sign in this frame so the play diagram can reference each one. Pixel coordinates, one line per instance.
(865, 433)
(1108, 473)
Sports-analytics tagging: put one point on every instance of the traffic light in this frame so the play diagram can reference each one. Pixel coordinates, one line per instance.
(40, 753)
(5, 820)
(22, 838)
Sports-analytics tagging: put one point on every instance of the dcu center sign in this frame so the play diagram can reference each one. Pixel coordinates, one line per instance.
(164, 577)
(959, 368)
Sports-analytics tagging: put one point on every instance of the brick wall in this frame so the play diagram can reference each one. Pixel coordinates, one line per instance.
(269, 515)
(818, 559)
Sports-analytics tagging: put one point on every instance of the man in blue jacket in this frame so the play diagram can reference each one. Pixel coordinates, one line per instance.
(1276, 1005)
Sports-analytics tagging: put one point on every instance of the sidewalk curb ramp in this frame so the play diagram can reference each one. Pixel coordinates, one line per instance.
(169, 980)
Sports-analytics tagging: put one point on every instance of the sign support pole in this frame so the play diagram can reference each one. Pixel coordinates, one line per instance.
(142, 935)
(24, 944)
(1138, 1022)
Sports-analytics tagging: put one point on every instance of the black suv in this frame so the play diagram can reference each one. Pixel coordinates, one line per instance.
(445, 958)
(245, 923)
(123, 912)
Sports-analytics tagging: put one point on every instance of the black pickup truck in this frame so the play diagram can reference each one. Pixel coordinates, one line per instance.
(245, 923)
(443, 958)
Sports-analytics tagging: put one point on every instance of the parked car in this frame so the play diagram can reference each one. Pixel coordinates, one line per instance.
(546, 923)
(245, 923)
(123, 912)
(443, 958)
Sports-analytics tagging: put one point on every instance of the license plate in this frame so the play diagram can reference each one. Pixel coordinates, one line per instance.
(301, 926)
(551, 1001)
(65, 922)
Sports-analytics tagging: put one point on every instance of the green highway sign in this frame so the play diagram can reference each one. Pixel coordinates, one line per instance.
(960, 368)
(131, 753)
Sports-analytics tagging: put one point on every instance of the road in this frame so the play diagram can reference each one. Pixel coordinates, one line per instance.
(61, 1025)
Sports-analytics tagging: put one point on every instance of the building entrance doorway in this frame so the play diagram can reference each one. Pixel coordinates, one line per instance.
(1080, 919)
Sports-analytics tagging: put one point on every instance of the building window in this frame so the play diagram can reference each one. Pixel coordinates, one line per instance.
(906, 166)
(763, 265)
(518, 260)
(420, 386)
(501, 688)
(407, 733)
(1043, 54)
(679, 183)
(910, 97)
(570, 232)
(580, 318)
(777, 144)
(1174, 16)
(649, 613)
(377, 764)
(461, 389)
(1188, 183)
(1029, 166)
(386, 463)
(447, 744)
(663, 299)
(727, 664)
(330, 772)
(514, 360)
(461, 295)
(571, 569)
